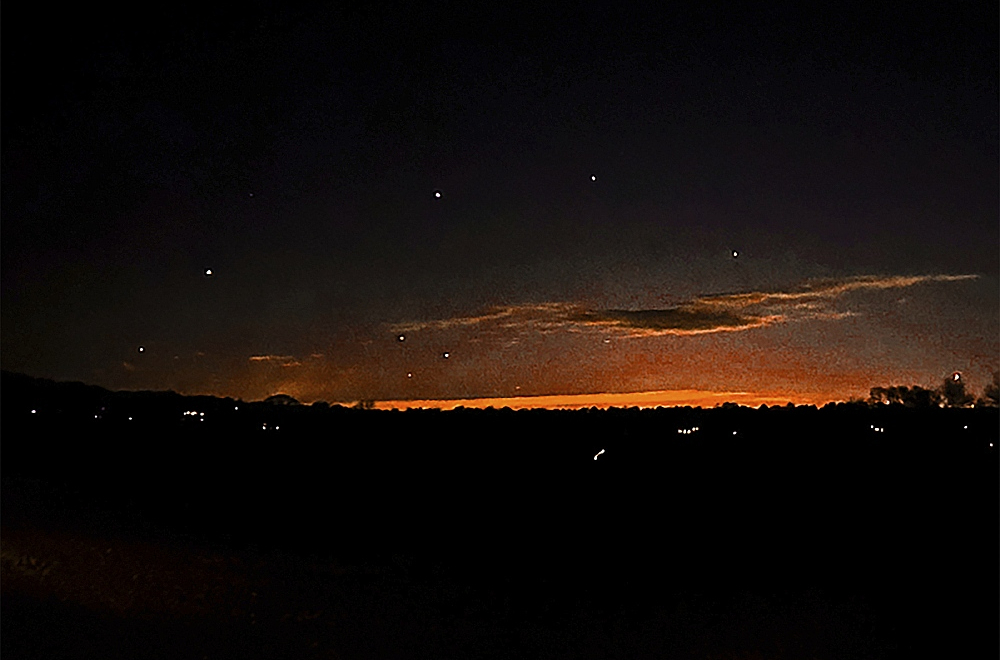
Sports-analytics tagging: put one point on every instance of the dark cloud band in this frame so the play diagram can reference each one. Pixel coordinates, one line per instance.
(729, 312)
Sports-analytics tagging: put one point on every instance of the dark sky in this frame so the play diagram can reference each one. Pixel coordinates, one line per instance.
(848, 155)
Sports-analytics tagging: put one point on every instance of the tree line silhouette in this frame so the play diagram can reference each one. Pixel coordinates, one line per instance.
(951, 393)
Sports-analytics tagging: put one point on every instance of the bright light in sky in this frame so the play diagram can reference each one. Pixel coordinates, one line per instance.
(598, 454)
(593, 178)
(208, 272)
(447, 355)
(141, 349)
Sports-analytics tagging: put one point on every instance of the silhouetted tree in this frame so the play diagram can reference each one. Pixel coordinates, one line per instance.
(919, 397)
(953, 392)
(365, 404)
(911, 397)
(991, 393)
(882, 395)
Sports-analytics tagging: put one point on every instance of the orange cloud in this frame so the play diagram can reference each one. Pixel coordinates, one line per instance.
(280, 360)
(729, 312)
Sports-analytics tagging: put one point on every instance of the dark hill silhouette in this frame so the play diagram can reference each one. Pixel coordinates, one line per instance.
(282, 400)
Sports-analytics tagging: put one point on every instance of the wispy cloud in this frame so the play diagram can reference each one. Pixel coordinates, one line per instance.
(728, 312)
(513, 315)
(280, 360)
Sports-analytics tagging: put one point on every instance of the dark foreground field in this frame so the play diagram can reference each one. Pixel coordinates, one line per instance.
(781, 533)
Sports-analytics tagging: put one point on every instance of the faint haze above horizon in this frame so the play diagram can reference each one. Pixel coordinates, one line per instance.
(453, 203)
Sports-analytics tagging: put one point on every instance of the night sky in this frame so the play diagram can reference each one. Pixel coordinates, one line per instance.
(440, 202)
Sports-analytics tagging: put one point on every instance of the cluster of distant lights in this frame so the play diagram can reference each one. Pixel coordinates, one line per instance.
(200, 416)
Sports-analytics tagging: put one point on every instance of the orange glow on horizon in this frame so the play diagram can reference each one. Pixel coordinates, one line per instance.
(653, 399)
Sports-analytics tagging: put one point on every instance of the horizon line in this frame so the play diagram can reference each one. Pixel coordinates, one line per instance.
(604, 400)
(640, 398)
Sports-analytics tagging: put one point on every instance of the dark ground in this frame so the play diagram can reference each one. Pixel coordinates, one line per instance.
(366, 534)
